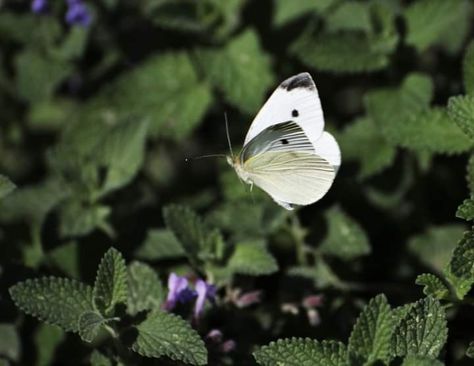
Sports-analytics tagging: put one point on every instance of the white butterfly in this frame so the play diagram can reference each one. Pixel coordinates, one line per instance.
(286, 152)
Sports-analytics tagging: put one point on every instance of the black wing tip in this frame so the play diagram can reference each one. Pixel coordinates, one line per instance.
(302, 80)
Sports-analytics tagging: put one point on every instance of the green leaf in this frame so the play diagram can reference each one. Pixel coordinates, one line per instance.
(350, 16)
(160, 244)
(165, 90)
(78, 219)
(58, 301)
(10, 345)
(145, 291)
(433, 286)
(6, 186)
(461, 111)
(462, 261)
(370, 337)
(363, 142)
(434, 246)
(241, 71)
(164, 334)
(187, 227)
(423, 331)
(121, 153)
(470, 174)
(420, 361)
(345, 52)
(90, 323)
(110, 287)
(428, 20)
(37, 76)
(98, 359)
(470, 350)
(66, 257)
(302, 352)
(468, 69)
(252, 258)
(32, 203)
(47, 338)
(466, 210)
(433, 131)
(345, 238)
(286, 11)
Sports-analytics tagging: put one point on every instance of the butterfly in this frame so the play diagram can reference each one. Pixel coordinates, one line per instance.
(286, 151)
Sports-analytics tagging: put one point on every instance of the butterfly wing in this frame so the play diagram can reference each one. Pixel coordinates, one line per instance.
(283, 162)
(295, 99)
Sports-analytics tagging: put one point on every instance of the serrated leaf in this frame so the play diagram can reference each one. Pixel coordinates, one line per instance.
(345, 238)
(286, 11)
(90, 323)
(468, 69)
(371, 335)
(10, 345)
(470, 350)
(390, 105)
(164, 89)
(164, 334)
(434, 246)
(420, 361)
(160, 244)
(241, 70)
(47, 338)
(121, 153)
(58, 301)
(6, 186)
(461, 111)
(302, 352)
(470, 174)
(423, 331)
(110, 287)
(433, 286)
(252, 258)
(431, 130)
(462, 261)
(345, 52)
(145, 291)
(428, 20)
(363, 142)
(187, 227)
(466, 210)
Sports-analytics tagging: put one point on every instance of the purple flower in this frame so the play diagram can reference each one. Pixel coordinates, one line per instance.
(39, 6)
(248, 298)
(215, 335)
(78, 13)
(178, 291)
(228, 346)
(204, 291)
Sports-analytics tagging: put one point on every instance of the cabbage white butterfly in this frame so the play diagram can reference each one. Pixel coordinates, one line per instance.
(286, 151)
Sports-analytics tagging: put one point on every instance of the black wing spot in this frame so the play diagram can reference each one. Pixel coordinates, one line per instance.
(302, 80)
(295, 113)
(284, 141)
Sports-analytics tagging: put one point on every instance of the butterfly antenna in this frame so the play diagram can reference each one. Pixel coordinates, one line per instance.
(228, 135)
(206, 156)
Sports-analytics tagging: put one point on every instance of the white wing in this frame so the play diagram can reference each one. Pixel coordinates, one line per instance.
(291, 169)
(291, 178)
(295, 99)
(327, 147)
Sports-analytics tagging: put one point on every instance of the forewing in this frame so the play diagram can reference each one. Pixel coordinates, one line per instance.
(291, 177)
(296, 99)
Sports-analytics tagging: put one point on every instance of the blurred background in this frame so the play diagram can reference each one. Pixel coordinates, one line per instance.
(101, 102)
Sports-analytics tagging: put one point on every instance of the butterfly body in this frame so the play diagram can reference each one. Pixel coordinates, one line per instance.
(286, 152)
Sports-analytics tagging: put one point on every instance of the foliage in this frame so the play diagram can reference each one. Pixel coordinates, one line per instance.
(103, 121)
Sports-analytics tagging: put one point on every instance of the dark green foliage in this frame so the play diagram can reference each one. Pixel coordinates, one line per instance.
(100, 125)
